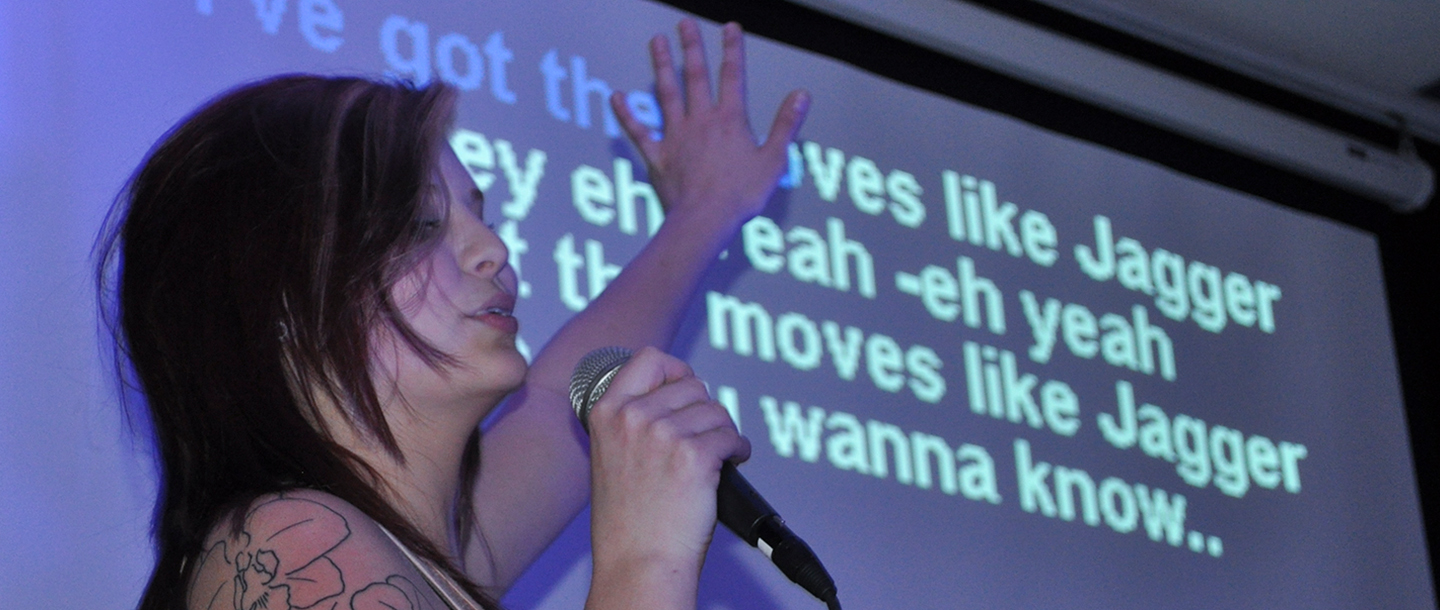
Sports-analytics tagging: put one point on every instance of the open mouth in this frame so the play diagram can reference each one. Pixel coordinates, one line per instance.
(499, 317)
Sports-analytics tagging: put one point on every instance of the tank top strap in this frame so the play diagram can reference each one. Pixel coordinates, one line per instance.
(444, 586)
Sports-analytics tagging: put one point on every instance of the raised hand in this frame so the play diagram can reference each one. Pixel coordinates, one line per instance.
(707, 162)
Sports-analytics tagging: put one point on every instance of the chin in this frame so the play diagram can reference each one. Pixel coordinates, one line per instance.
(510, 370)
(522, 369)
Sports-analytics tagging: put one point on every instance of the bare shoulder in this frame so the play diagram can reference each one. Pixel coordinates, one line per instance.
(305, 550)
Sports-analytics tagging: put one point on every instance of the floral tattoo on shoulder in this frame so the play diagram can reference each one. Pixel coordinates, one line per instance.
(280, 561)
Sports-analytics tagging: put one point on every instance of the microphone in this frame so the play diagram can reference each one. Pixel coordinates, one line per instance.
(738, 505)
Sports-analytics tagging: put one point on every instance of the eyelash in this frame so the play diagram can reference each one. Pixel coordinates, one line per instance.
(435, 225)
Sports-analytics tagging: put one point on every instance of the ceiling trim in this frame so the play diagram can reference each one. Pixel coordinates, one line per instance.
(1147, 94)
(1420, 116)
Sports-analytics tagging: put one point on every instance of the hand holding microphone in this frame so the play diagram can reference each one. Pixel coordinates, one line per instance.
(657, 442)
(656, 438)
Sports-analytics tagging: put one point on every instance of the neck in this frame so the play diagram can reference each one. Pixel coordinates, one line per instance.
(424, 486)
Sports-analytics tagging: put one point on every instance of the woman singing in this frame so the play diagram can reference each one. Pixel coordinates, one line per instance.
(302, 282)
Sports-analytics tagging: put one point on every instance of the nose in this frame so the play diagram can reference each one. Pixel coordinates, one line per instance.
(483, 252)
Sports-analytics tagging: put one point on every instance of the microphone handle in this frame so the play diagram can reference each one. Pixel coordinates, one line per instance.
(747, 514)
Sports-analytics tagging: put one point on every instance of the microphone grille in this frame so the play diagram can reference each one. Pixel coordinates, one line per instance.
(592, 377)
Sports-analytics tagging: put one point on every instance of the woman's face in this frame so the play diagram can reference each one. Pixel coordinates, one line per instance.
(461, 299)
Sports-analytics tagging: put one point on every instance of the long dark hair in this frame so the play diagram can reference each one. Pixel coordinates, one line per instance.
(243, 271)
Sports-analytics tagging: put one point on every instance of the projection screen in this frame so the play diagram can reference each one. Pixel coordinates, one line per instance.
(982, 364)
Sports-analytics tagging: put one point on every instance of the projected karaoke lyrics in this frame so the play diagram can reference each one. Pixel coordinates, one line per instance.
(987, 381)
(894, 315)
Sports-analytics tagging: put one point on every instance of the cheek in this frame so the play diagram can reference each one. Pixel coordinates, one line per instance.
(424, 292)
(432, 313)
(409, 292)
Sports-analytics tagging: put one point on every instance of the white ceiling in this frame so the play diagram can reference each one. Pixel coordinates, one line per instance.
(1369, 56)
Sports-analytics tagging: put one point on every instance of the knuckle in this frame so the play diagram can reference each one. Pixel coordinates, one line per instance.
(633, 418)
(713, 412)
(691, 455)
(692, 388)
(724, 415)
(665, 430)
